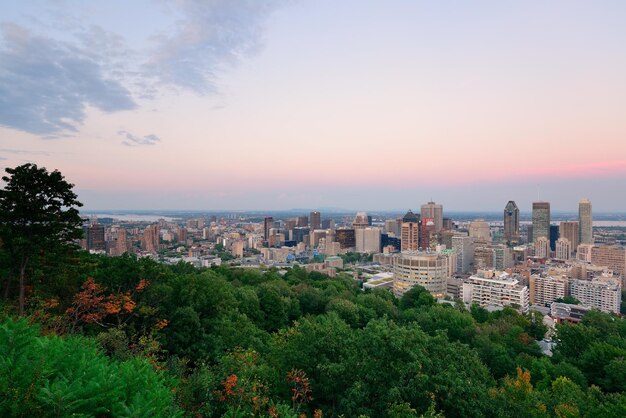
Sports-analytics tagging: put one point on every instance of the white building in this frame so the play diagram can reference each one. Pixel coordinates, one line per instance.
(495, 289)
(603, 293)
(367, 240)
(429, 270)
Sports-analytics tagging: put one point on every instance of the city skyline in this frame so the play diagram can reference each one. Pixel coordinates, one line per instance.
(354, 105)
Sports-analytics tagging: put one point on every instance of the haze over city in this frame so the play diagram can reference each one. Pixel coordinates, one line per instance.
(316, 104)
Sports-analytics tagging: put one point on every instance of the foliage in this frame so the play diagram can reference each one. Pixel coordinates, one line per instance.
(38, 221)
(41, 376)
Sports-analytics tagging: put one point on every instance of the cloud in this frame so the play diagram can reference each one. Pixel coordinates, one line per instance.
(45, 85)
(210, 36)
(134, 140)
(23, 151)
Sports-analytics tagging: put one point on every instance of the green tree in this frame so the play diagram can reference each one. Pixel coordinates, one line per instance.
(38, 217)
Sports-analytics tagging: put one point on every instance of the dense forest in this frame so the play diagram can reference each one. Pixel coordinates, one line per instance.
(88, 335)
(121, 336)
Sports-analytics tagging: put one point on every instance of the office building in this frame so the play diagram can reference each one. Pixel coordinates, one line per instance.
(542, 247)
(361, 221)
(585, 220)
(483, 255)
(315, 220)
(611, 256)
(268, 223)
(490, 289)
(479, 230)
(345, 237)
(511, 223)
(464, 248)
(409, 236)
(303, 221)
(569, 230)
(429, 270)
(502, 257)
(367, 240)
(554, 235)
(434, 211)
(94, 235)
(563, 249)
(151, 238)
(426, 233)
(541, 220)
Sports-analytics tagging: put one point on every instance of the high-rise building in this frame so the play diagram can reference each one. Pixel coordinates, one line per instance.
(479, 230)
(511, 222)
(345, 237)
(94, 235)
(181, 234)
(315, 220)
(483, 255)
(427, 231)
(541, 220)
(502, 257)
(611, 256)
(585, 219)
(464, 248)
(542, 247)
(121, 243)
(554, 235)
(409, 236)
(361, 221)
(268, 223)
(303, 221)
(429, 270)
(151, 238)
(298, 234)
(367, 240)
(563, 249)
(569, 230)
(434, 211)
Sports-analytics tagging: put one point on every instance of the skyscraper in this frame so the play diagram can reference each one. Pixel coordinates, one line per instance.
(511, 222)
(569, 230)
(268, 223)
(409, 236)
(434, 211)
(315, 220)
(541, 220)
(585, 220)
(361, 221)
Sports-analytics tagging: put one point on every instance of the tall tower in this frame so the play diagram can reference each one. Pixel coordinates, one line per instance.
(585, 221)
(511, 222)
(315, 220)
(268, 223)
(409, 236)
(541, 220)
(361, 221)
(434, 211)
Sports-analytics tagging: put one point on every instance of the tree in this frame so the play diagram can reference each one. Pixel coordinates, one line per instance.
(38, 217)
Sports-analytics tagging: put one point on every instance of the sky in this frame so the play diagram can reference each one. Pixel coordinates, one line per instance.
(352, 104)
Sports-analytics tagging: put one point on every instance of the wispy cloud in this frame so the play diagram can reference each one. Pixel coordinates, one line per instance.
(45, 85)
(134, 140)
(47, 81)
(210, 36)
(23, 151)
